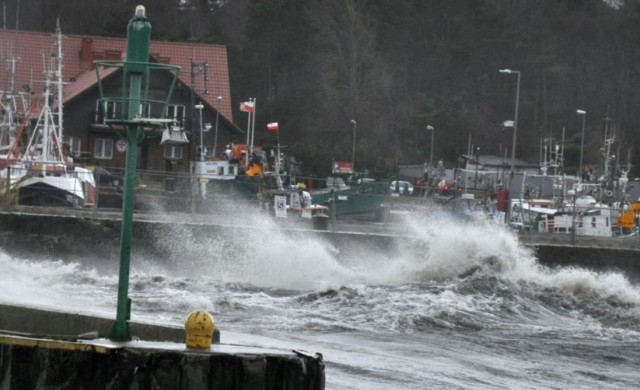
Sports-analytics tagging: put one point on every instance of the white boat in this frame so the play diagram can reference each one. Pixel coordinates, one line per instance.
(42, 172)
(588, 217)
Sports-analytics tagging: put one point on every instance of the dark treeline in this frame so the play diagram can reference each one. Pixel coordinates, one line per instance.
(397, 66)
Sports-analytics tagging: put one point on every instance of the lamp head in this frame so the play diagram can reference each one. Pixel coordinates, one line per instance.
(199, 106)
(140, 11)
(580, 112)
(430, 128)
(353, 121)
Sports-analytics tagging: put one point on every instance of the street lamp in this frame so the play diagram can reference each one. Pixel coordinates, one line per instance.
(432, 130)
(515, 119)
(475, 182)
(199, 107)
(215, 137)
(584, 116)
(353, 152)
(572, 194)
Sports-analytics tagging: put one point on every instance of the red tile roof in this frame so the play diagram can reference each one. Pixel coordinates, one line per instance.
(84, 81)
(34, 50)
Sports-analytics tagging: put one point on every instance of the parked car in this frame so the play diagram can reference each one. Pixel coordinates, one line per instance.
(104, 178)
(401, 187)
(336, 182)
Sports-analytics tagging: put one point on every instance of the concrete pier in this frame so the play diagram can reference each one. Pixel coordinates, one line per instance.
(37, 363)
(42, 349)
(69, 326)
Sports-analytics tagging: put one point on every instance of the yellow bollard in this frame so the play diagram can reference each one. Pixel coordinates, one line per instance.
(199, 328)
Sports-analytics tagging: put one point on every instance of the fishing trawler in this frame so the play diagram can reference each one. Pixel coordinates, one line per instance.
(41, 172)
(578, 205)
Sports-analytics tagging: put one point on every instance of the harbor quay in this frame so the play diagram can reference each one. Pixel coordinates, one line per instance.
(37, 360)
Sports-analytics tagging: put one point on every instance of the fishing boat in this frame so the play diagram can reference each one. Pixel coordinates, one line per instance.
(237, 174)
(587, 216)
(364, 199)
(41, 172)
(295, 205)
(575, 209)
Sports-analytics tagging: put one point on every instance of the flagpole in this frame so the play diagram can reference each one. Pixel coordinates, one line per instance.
(278, 179)
(253, 124)
(246, 155)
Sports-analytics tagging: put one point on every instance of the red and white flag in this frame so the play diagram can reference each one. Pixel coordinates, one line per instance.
(247, 106)
(272, 126)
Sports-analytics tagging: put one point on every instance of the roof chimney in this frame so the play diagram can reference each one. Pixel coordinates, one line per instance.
(86, 50)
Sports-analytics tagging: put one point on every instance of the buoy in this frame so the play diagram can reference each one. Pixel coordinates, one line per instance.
(199, 328)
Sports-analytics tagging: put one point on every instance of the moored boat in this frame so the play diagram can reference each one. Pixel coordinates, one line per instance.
(42, 171)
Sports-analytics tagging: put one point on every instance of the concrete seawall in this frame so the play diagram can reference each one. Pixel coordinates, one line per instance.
(40, 323)
(34, 363)
(624, 258)
(86, 235)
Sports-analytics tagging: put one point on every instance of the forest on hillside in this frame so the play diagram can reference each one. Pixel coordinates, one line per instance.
(395, 67)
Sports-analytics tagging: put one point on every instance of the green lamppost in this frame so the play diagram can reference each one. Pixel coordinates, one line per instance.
(137, 117)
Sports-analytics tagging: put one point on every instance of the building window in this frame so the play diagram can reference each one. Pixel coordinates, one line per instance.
(173, 152)
(107, 110)
(176, 112)
(114, 110)
(103, 148)
(74, 145)
(145, 110)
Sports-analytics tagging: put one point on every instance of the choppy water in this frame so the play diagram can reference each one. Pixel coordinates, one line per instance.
(461, 306)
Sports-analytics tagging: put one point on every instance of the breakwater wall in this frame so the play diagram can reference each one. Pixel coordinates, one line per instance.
(44, 349)
(34, 322)
(97, 235)
(28, 363)
(590, 256)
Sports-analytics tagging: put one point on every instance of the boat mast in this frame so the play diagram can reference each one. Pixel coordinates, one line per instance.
(59, 78)
(48, 120)
(45, 134)
(9, 99)
(15, 49)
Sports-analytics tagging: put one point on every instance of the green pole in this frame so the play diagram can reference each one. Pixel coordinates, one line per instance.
(120, 330)
(138, 37)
